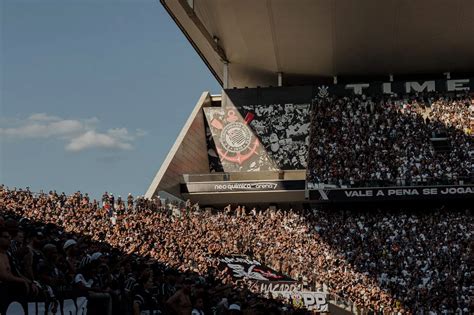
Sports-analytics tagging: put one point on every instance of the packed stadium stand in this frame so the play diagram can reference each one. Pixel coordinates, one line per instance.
(392, 141)
(145, 256)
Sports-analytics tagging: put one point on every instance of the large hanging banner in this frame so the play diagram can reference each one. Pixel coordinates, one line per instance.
(272, 283)
(238, 148)
(244, 267)
(283, 129)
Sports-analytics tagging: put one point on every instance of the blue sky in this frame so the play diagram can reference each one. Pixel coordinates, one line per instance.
(93, 93)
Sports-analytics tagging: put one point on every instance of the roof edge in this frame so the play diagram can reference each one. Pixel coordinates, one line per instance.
(193, 44)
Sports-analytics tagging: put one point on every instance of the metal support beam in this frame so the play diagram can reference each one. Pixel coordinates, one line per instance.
(192, 15)
(226, 75)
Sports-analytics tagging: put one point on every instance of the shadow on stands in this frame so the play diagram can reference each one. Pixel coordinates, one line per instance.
(60, 272)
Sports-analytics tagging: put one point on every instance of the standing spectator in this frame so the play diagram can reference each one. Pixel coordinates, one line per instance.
(129, 202)
(180, 302)
(16, 285)
(144, 301)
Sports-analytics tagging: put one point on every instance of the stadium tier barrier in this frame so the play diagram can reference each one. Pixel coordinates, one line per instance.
(426, 181)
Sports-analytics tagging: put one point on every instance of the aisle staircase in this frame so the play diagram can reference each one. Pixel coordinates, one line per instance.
(441, 143)
(440, 140)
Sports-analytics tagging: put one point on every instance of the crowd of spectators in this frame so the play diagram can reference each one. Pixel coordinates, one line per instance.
(358, 141)
(132, 256)
(142, 259)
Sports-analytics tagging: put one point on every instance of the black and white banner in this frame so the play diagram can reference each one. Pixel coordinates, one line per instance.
(313, 301)
(72, 306)
(273, 283)
(304, 94)
(294, 293)
(243, 267)
(283, 129)
(243, 186)
(393, 193)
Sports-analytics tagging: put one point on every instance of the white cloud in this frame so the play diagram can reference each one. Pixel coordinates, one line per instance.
(120, 133)
(92, 139)
(43, 117)
(79, 134)
(140, 132)
(43, 127)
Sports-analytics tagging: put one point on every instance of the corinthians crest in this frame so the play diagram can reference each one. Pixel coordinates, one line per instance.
(323, 91)
(237, 146)
(235, 137)
(236, 141)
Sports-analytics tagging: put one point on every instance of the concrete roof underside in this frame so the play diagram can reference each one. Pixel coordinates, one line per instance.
(311, 39)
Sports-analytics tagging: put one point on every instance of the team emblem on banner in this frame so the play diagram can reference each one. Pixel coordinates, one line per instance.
(236, 141)
(236, 144)
(323, 91)
(236, 137)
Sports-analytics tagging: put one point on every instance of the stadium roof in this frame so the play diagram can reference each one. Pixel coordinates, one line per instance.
(308, 39)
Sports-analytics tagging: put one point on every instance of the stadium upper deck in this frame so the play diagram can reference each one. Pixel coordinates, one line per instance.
(259, 143)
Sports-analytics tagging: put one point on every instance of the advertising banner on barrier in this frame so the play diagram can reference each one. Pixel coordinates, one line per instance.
(73, 306)
(392, 193)
(243, 186)
(304, 94)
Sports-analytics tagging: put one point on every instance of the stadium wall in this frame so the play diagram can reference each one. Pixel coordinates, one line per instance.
(188, 154)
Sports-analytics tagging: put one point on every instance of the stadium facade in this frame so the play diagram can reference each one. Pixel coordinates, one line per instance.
(276, 60)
